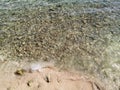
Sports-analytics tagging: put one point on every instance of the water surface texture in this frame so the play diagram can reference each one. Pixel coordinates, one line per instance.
(80, 34)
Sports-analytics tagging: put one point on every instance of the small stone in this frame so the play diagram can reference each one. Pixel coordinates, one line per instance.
(9, 88)
(47, 79)
(20, 72)
(29, 83)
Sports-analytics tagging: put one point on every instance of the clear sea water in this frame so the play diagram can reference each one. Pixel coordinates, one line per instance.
(13, 12)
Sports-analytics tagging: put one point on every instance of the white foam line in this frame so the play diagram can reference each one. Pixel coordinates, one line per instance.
(38, 66)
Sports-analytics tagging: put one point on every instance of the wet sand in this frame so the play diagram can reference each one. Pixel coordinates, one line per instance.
(44, 78)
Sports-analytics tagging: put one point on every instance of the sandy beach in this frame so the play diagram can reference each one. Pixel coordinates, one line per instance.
(44, 77)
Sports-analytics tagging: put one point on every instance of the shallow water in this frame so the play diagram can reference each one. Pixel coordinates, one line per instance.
(84, 35)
